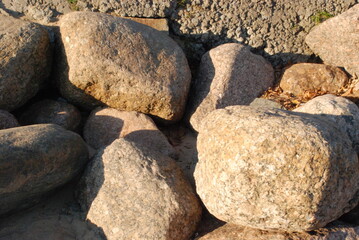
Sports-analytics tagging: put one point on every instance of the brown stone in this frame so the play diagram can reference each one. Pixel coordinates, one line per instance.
(310, 77)
(133, 67)
(275, 169)
(336, 40)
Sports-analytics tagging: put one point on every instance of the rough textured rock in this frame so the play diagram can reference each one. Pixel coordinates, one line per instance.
(136, 193)
(36, 159)
(133, 67)
(25, 60)
(310, 77)
(275, 169)
(108, 124)
(228, 75)
(336, 231)
(56, 227)
(7, 120)
(342, 112)
(336, 40)
(51, 111)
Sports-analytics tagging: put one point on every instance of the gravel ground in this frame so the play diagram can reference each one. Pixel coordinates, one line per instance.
(274, 29)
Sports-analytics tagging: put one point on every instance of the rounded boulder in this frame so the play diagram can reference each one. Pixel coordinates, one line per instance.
(51, 111)
(135, 193)
(25, 61)
(7, 120)
(107, 60)
(275, 169)
(228, 75)
(35, 160)
(340, 111)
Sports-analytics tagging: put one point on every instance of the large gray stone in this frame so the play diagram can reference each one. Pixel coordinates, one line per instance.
(228, 75)
(25, 61)
(336, 40)
(341, 111)
(7, 120)
(123, 64)
(134, 193)
(275, 169)
(35, 160)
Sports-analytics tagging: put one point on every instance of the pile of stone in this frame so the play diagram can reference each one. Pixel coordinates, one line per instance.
(112, 83)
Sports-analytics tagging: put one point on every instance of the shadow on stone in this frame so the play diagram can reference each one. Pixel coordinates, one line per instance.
(61, 81)
(57, 216)
(11, 12)
(208, 224)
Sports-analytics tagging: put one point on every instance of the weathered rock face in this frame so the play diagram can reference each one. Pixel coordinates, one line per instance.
(25, 60)
(133, 67)
(51, 111)
(336, 40)
(7, 120)
(52, 227)
(274, 169)
(342, 112)
(310, 77)
(135, 193)
(228, 75)
(108, 124)
(36, 159)
(336, 231)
